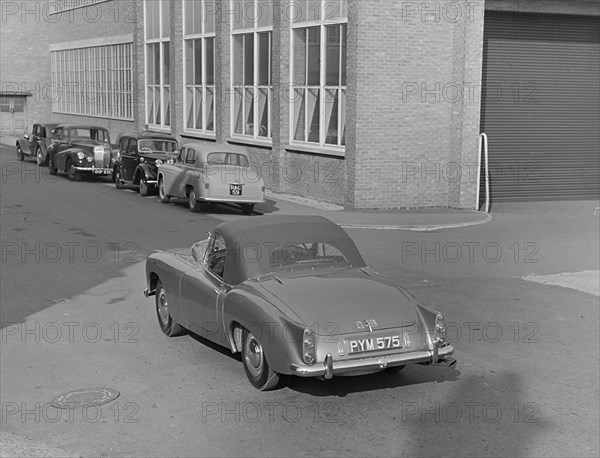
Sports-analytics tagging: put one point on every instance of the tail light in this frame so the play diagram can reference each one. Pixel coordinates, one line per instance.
(440, 330)
(309, 346)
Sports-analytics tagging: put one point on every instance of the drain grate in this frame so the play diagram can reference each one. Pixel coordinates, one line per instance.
(85, 397)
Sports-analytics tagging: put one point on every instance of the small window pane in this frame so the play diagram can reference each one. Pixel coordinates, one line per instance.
(189, 62)
(166, 64)
(198, 104)
(210, 109)
(344, 53)
(331, 116)
(314, 56)
(189, 108)
(263, 112)
(265, 13)
(209, 16)
(249, 127)
(210, 60)
(237, 15)
(333, 55)
(238, 59)
(299, 57)
(238, 101)
(249, 59)
(188, 13)
(299, 114)
(249, 14)
(166, 18)
(198, 61)
(314, 113)
(264, 70)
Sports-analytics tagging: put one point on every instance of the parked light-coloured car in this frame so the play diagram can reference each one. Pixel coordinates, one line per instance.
(213, 173)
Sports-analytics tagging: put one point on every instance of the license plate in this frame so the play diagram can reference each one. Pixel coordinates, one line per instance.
(235, 189)
(375, 344)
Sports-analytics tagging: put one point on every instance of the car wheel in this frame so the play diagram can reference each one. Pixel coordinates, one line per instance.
(74, 175)
(52, 168)
(257, 368)
(167, 324)
(40, 158)
(117, 179)
(20, 155)
(247, 209)
(194, 205)
(162, 193)
(144, 188)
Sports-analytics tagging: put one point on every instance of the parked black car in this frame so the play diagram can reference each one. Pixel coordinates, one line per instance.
(139, 156)
(78, 150)
(36, 144)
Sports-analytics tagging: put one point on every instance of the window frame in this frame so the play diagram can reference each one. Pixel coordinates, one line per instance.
(323, 88)
(204, 37)
(255, 29)
(163, 88)
(95, 81)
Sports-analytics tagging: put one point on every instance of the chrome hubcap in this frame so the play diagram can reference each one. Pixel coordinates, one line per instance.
(254, 356)
(163, 307)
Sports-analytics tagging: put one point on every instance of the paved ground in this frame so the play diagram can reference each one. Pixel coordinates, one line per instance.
(526, 383)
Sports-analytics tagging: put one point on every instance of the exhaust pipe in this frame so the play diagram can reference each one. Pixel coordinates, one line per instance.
(447, 361)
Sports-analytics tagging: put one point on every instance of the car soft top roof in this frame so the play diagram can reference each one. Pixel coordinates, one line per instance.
(249, 242)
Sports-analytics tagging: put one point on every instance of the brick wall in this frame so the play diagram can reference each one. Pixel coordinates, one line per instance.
(24, 58)
(410, 127)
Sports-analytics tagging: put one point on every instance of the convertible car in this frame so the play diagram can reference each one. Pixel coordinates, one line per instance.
(293, 295)
(213, 173)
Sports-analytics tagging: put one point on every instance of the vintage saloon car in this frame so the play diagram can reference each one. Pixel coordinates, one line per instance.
(211, 173)
(36, 144)
(78, 150)
(293, 295)
(139, 156)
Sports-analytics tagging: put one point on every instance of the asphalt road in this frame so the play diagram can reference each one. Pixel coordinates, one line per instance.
(73, 316)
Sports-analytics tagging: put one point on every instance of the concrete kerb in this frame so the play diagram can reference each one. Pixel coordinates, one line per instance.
(331, 211)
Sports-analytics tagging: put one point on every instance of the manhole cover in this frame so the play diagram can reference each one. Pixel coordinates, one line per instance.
(84, 397)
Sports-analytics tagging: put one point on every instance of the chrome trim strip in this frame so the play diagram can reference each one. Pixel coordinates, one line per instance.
(231, 201)
(373, 362)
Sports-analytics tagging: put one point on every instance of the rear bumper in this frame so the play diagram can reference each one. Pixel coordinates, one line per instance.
(231, 201)
(329, 367)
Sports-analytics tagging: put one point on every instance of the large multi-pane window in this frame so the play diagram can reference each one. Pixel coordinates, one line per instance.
(319, 50)
(252, 34)
(158, 68)
(93, 81)
(199, 65)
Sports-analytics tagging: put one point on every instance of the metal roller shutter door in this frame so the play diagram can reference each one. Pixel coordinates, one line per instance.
(541, 105)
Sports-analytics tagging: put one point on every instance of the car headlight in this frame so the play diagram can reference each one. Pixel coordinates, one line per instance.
(440, 330)
(81, 155)
(309, 346)
(159, 162)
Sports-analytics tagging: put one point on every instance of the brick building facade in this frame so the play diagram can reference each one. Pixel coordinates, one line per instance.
(369, 104)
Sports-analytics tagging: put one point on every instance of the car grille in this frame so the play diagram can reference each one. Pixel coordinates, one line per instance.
(102, 158)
